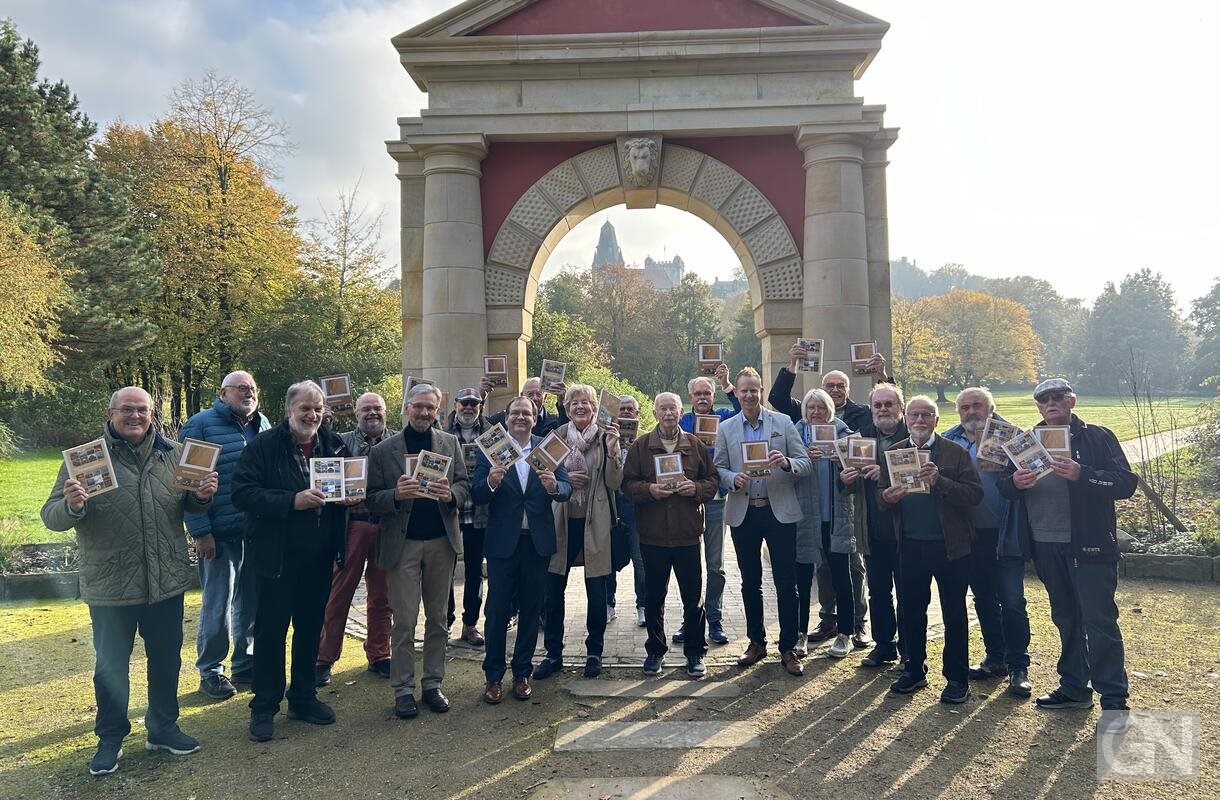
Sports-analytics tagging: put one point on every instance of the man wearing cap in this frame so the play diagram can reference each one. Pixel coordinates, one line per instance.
(467, 423)
(361, 559)
(1071, 527)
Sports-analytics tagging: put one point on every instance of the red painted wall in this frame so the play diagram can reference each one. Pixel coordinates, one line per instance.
(619, 16)
(774, 164)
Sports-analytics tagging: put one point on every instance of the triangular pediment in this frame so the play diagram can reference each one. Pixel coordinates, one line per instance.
(571, 17)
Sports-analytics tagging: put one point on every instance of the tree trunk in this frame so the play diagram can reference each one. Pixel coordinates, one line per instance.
(940, 395)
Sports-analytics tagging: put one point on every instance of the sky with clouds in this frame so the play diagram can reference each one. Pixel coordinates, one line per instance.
(1070, 141)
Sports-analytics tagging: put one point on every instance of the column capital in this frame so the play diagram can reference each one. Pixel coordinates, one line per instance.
(450, 152)
(819, 146)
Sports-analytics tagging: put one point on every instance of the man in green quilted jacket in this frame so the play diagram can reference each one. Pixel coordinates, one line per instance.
(133, 572)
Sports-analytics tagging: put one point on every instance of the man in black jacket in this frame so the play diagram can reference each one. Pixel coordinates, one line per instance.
(1071, 520)
(544, 421)
(293, 541)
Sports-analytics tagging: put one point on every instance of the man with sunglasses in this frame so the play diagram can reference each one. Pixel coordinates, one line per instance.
(1071, 527)
(467, 423)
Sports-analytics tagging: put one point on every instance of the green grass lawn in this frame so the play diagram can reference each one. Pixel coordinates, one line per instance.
(25, 482)
(1115, 413)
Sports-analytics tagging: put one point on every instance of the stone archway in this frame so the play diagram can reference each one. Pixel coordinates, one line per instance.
(529, 102)
(686, 179)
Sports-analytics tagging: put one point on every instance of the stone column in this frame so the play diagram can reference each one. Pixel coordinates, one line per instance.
(876, 221)
(411, 255)
(835, 253)
(454, 335)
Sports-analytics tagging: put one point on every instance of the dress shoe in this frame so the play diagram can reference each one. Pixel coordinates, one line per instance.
(754, 653)
(547, 667)
(1018, 683)
(987, 670)
(825, 630)
(955, 692)
(879, 657)
(381, 667)
(435, 701)
(405, 707)
(262, 727)
(472, 637)
(593, 666)
(860, 639)
(792, 664)
(493, 693)
(321, 675)
(313, 711)
(715, 632)
(1056, 700)
(522, 689)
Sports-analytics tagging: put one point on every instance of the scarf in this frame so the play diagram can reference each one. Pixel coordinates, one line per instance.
(578, 443)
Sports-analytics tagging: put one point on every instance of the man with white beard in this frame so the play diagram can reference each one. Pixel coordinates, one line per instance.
(467, 423)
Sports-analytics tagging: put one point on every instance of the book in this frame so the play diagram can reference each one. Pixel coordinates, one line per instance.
(337, 392)
(841, 449)
(991, 454)
(711, 355)
(356, 477)
(669, 470)
(861, 452)
(812, 362)
(197, 460)
(628, 430)
(90, 464)
(470, 457)
(861, 353)
(608, 409)
(904, 465)
(1027, 452)
(1056, 439)
(496, 369)
(429, 468)
(754, 462)
(409, 463)
(499, 448)
(706, 428)
(548, 454)
(326, 475)
(552, 377)
(822, 439)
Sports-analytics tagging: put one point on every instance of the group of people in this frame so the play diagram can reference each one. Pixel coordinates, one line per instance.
(273, 553)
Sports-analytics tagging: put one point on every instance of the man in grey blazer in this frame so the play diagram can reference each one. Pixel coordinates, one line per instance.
(763, 510)
(418, 543)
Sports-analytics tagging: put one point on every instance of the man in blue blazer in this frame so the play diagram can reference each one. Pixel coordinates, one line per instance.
(519, 543)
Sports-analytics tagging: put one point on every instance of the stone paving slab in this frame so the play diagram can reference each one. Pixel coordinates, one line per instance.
(696, 787)
(654, 734)
(653, 689)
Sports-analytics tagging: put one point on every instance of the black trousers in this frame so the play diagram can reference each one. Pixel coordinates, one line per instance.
(472, 566)
(298, 596)
(840, 576)
(114, 636)
(595, 594)
(884, 577)
(758, 526)
(513, 583)
(686, 562)
(921, 562)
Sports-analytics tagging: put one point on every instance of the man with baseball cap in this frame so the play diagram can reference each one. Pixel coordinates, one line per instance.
(467, 423)
(1070, 526)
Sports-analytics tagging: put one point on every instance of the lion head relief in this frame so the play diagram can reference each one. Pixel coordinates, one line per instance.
(640, 161)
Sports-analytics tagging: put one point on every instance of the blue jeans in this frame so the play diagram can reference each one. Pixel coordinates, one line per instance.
(228, 588)
(1084, 611)
(713, 556)
(998, 585)
(637, 560)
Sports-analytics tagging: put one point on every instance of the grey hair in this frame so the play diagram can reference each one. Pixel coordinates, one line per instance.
(657, 400)
(578, 389)
(846, 378)
(982, 391)
(823, 398)
(923, 398)
(629, 398)
(296, 390)
(423, 388)
(690, 385)
(892, 387)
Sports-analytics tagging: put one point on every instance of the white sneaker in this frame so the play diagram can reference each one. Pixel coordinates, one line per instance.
(841, 647)
(802, 645)
(611, 613)
(639, 617)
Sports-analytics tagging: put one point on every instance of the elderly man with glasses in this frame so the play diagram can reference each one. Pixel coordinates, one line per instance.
(230, 595)
(133, 573)
(1070, 518)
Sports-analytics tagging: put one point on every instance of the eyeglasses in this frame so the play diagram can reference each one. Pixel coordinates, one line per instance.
(133, 411)
(1050, 397)
(242, 388)
(884, 404)
(921, 414)
(469, 402)
(834, 385)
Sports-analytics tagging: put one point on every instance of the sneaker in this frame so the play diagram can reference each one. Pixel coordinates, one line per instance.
(639, 618)
(695, 668)
(908, 682)
(313, 711)
(955, 692)
(611, 614)
(801, 649)
(547, 667)
(715, 632)
(262, 727)
(174, 741)
(841, 646)
(653, 665)
(1114, 721)
(217, 687)
(593, 666)
(381, 667)
(1057, 699)
(879, 657)
(106, 759)
(680, 634)
(321, 674)
(988, 669)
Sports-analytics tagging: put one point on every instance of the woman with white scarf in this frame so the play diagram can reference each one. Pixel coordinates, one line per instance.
(582, 527)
